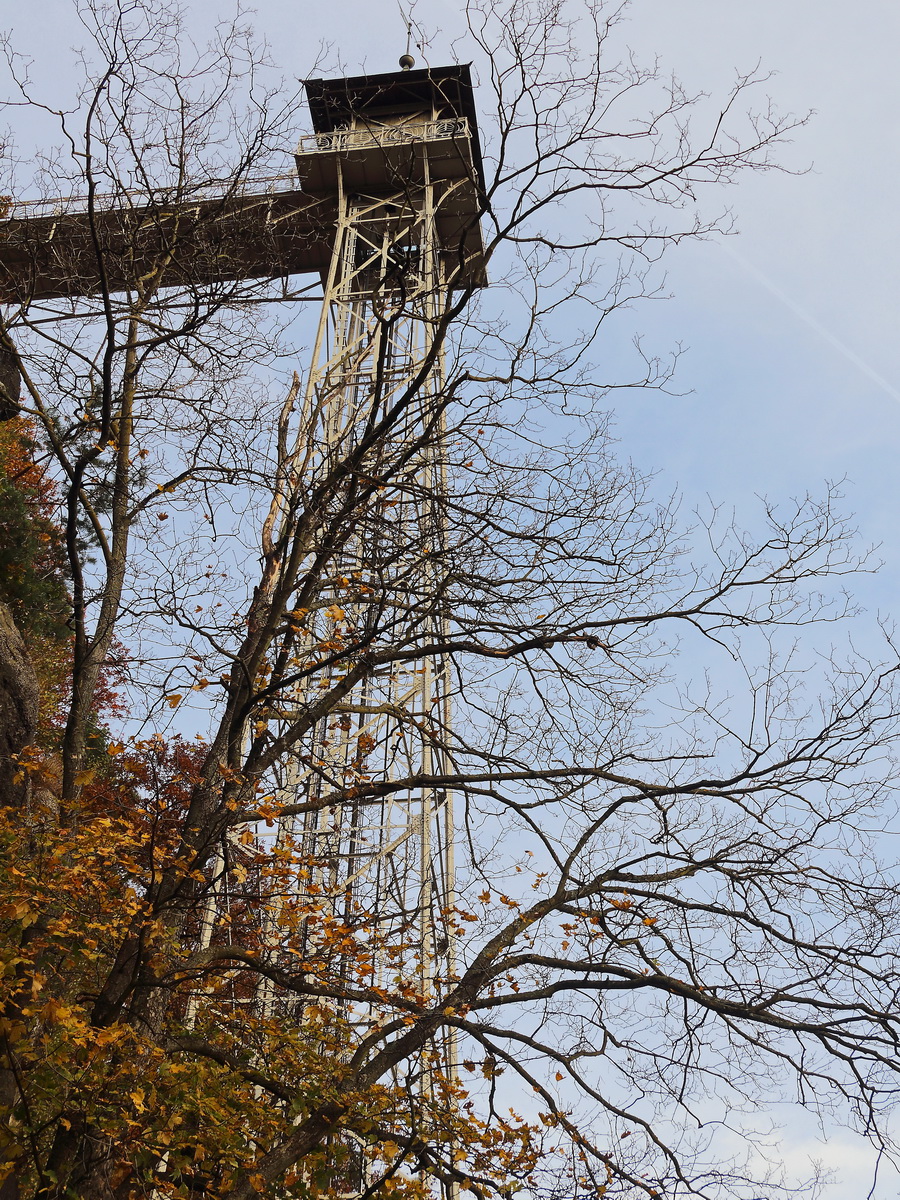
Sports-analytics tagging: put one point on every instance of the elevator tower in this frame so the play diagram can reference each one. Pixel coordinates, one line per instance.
(396, 158)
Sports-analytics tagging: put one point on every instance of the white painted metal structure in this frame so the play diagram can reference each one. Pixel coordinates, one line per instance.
(399, 161)
(404, 178)
(384, 297)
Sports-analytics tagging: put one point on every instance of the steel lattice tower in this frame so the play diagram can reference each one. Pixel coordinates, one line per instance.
(382, 303)
(398, 155)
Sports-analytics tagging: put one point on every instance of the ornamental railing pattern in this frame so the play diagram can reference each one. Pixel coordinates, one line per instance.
(383, 135)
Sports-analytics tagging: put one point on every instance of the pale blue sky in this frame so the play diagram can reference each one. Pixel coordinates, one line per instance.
(793, 369)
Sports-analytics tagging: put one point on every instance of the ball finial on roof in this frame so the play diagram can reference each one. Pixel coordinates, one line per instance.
(407, 62)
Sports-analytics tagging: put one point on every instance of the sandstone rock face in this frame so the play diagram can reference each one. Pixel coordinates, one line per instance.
(19, 699)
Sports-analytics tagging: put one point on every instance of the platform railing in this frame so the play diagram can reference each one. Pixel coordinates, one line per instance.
(344, 140)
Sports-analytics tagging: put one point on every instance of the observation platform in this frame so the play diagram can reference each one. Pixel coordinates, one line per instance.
(380, 134)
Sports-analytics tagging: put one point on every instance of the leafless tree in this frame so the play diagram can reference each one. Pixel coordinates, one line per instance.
(669, 900)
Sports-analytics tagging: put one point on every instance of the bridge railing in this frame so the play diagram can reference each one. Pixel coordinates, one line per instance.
(58, 206)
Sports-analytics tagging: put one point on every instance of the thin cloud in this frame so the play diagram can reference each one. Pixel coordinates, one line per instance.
(808, 319)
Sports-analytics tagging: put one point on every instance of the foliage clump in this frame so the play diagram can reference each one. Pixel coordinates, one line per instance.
(32, 553)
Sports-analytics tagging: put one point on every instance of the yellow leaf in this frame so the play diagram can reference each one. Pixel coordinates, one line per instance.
(138, 1099)
(114, 748)
(85, 777)
(16, 910)
(54, 1011)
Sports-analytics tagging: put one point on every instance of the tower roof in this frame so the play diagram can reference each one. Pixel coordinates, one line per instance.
(447, 90)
